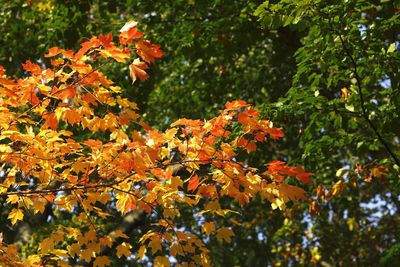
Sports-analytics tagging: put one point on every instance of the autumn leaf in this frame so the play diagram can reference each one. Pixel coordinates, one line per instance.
(193, 183)
(32, 68)
(124, 249)
(148, 51)
(101, 261)
(225, 234)
(50, 121)
(141, 252)
(155, 245)
(2, 70)
(208, 228)
(136, 70)
(87, 255)
(127, 37)
(15, 215)
(236, 104)
(345, 93)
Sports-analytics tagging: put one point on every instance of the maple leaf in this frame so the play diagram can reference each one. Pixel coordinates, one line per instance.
(32, 68)
(126, 37)
(106, 40)
(155, 244)
(50, 121)
(187, 122)
(208, 228)
(101, 261)
(275, 133)
(2, 70)
(86, 46)
(136, 69)
(141, 252)
(162, 261)
(16, 215)
(124, 249)
(54, 51)
(87, 255)
(148, 51)
(46, 245)
(236, 104)
(225, 234)
(193, 183)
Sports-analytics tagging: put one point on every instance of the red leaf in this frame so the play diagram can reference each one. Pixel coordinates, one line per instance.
(148, 51)
(126, 37)
(50, 121)
(2, 70)
(275, 133)
(106, 40)
(193, 183)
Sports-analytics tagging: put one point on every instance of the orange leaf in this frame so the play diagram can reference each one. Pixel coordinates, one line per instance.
(64, 93)
(187, 122)
(50, 121)
(85, 46)
(126, 37)
(32, 68)
(54, 51)
(236, 104)
(148, 51)
(2, 70)
(193, 183)
(136, 69)
(106, 40)
(275, 133)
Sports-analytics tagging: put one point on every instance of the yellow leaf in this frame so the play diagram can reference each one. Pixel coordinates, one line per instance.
(119, 233)
(101, 261)
(46, 245)
(278, 203)
(33, 260)
(345, 93)
(87, 255)
(225, 234)
(213, 205)
(16, 215)
(377, 171)
(124, 250)
(12, 199)
(74, 249)
(176, 249)
(142, 250)
(176, 182)
(155, 244)
(61, 253)
(161, 261)
(208, 228)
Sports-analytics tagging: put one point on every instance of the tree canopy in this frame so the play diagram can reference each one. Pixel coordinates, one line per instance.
(75, 150)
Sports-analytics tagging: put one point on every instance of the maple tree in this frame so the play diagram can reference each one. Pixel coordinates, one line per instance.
(119, 164)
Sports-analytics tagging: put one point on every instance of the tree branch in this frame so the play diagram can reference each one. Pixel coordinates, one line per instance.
(362, 101)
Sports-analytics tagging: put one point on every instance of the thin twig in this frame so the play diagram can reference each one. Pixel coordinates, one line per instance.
(362, 101)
